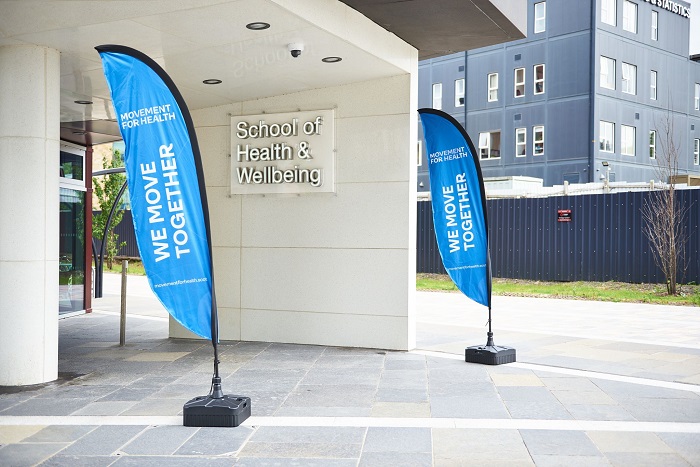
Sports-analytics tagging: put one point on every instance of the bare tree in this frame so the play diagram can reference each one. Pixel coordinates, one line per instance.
(664, 216)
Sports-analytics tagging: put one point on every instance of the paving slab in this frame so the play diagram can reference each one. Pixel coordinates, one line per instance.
(547, 460)
(569, 400)
(479, 447)
(28, 454)
(393, 459)
(60, 460)
(209, 441)
(158, 441)
(398, 440)
(60, 434)
(560, 443)
(103, 441)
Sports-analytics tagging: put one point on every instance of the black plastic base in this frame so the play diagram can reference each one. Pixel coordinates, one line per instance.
(489, 354)
(229, 411)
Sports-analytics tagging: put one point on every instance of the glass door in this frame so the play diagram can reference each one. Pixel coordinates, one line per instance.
(71, 250)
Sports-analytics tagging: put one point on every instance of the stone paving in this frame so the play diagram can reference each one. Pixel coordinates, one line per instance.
(591, 389)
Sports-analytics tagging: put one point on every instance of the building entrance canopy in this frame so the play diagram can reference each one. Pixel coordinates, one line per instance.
(289, 269)
(197, 40)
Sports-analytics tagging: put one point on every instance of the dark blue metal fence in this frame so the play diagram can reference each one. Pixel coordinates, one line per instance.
(125, 230)
(603, 241)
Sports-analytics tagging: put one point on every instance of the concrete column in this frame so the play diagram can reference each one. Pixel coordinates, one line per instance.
(29, 222)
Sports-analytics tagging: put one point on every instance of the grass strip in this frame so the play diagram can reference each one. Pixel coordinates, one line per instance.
(601, 291)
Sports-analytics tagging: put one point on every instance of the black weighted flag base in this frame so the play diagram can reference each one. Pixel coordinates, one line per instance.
(216, 409)
(489, 354)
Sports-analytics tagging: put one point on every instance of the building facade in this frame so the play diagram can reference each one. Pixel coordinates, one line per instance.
(313, 266)
(597, 90)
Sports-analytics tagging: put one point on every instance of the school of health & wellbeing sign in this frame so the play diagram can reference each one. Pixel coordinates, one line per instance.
(283, 153)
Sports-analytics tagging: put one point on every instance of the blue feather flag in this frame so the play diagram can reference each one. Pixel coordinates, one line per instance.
(459, 204)
(166, 186)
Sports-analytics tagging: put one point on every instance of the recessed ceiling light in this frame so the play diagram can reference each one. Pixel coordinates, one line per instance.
(83, 102)
(257, 25)
(331, 59)
(212, 81)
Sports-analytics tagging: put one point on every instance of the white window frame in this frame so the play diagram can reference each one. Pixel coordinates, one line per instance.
(696, 151)
(535, 140)
(629, 16)
(629, 78)
(492, 84)
(608, 12)
(72, 183)
(486, 149)
(484, 145)
(459, 92)
(652, 144)
(697, 96)
(654, 25)
(538, 80)
(540, 17)
(437, 96)
(519, 84)
(607, 72)
(521, 144)
(606, 136)
(419, 147)
(653, 82)
(628, 143)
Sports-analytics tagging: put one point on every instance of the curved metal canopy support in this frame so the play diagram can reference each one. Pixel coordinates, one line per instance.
(99, 260)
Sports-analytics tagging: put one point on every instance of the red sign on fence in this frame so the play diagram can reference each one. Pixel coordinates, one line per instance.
(564, 215)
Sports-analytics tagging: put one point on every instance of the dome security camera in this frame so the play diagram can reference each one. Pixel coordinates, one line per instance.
(295, 48)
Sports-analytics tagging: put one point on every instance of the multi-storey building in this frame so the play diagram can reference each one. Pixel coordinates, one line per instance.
(596, 90)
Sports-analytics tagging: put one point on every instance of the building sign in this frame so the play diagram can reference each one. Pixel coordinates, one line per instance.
(564, 215)
(671, 6)
(283, 153)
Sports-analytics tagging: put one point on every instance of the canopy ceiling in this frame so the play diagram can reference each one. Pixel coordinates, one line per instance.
(195, 40)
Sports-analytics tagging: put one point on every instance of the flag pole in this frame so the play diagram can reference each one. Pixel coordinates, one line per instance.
(460, 219)
(489, 354)
(138, 85)
(216, 409)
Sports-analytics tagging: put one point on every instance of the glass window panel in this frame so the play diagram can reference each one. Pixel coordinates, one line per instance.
(607, 72)
(437, 96)
(538, 140)
(607, 136)
(627, 140)
(459, 92)
(539, 79)
(629, 78)
(495, 150)
(629, 16)
(71, 251)
(484, 141)
(490, 145)
(519, 80)
(608, 11)
(493, 87)
(71, 166)
(540, 16)
(520, 142)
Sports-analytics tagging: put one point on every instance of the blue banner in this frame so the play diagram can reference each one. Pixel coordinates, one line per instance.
(459, 204)
(166, 186)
